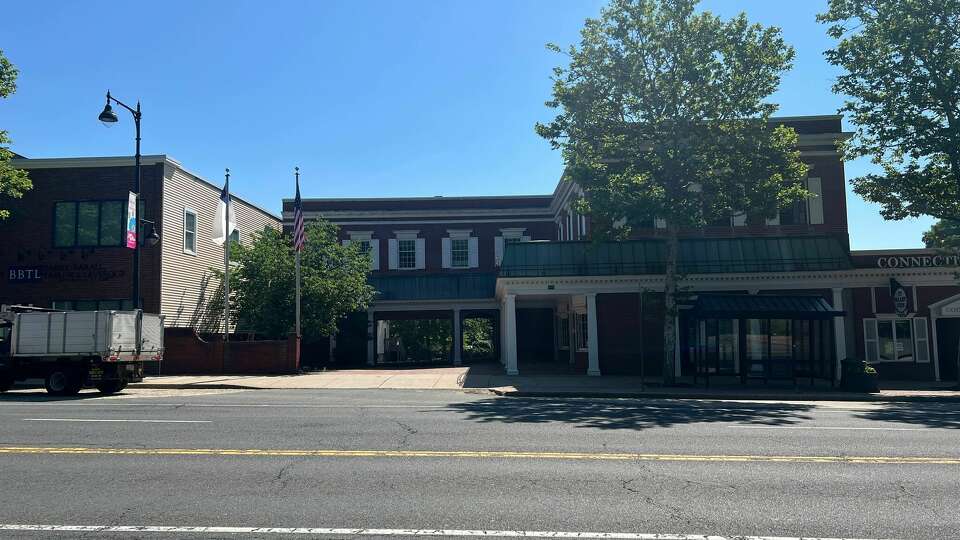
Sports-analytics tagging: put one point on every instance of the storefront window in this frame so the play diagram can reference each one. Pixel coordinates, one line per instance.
(780, 344)
(756, 339)
(896, 340)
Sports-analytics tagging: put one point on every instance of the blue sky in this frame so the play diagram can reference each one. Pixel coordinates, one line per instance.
(369, 97)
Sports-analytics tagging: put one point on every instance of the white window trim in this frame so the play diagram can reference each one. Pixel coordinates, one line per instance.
(360, 235)
(914, 322)
(196, 227)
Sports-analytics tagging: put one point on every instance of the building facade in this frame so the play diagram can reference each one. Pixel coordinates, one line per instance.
(766, 298)
(63, 245)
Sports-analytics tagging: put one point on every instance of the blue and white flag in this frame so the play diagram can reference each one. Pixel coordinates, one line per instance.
(224, 222)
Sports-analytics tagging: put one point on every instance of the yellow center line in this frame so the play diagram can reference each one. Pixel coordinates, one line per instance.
(479, 454)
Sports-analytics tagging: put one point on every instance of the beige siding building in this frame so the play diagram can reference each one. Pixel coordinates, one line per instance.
(189, 253)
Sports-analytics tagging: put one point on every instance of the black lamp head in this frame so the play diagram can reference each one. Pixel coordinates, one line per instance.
(108, 116)
(153, 238)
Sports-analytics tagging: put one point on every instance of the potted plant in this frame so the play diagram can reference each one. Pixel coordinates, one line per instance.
(858, 376)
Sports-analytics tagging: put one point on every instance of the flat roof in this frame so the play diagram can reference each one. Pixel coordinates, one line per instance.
(123, 161)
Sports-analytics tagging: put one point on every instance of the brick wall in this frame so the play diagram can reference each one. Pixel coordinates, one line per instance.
(98, 273)
(185, 352)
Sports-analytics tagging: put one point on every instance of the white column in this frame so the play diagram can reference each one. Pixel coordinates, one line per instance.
(510, 333)
(593, 347)
(839, 332)
(457, 338)
(371, 336)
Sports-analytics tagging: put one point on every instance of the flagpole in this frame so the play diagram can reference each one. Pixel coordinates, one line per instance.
(297, 174)
(226, 264)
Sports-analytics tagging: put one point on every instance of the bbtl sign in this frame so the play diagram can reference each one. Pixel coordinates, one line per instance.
(20, 274)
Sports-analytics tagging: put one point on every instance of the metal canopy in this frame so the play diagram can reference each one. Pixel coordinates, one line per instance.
(749, 306)
(469, 286)
(697, 256)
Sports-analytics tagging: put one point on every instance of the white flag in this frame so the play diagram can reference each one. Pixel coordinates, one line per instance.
(224, 223)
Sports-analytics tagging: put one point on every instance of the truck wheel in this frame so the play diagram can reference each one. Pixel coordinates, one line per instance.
(6, 382)
(111, 387)
(63, 382)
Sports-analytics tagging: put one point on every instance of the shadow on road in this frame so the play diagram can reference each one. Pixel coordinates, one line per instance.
(935, 415)
(622, 414)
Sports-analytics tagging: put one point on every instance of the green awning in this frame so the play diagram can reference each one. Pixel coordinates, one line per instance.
(750, 306)
(467, 286)
(697, 256)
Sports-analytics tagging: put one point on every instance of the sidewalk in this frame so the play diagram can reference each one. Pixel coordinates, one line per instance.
(491, 379)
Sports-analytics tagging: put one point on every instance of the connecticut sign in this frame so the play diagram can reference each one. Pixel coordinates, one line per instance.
(917, 261)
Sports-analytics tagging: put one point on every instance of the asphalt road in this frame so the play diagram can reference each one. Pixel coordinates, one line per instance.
(462, 464)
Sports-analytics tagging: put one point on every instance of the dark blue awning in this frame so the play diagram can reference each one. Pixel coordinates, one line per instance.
(761, 306)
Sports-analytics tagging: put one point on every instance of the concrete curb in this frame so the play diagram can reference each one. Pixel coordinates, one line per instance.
(202, 386)
(497, 391)
(736, 397)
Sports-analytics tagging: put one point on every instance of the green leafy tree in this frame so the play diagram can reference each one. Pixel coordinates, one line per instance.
(902, 74)
(263, 287)
(13, 182)
(943, 235)
(664, 115)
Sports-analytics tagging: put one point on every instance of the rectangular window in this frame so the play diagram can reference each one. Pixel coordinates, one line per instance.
(795, 214)
(581, 330)
(65, 224)
(893, 340)
(88, 223)
(111, 223)
(459, 253)
(189, 232)
(563, 331)
(93, 305)
(407, 253)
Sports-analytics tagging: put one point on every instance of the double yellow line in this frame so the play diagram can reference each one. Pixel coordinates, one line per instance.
(469, 454)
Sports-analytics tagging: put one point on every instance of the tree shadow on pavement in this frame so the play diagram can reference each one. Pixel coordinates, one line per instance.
(629, 414)
(929, 414)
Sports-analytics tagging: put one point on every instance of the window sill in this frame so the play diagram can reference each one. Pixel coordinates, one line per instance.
(188, 252)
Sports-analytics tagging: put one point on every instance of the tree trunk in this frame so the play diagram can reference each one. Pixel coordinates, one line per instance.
(670, 305)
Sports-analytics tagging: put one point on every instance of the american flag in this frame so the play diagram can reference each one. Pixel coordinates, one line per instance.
(299, 238)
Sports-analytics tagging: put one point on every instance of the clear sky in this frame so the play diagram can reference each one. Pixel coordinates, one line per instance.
(371, 98)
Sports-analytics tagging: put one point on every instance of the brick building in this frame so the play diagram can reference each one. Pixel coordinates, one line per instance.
(769, 297)
(63, 244)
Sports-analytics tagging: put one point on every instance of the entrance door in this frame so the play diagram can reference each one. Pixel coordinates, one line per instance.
(535, 335)
(948, 339)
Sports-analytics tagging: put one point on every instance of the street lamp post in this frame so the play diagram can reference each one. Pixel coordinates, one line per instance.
(108, 116)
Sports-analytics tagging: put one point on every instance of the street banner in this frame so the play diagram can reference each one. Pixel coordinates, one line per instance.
(132, 221)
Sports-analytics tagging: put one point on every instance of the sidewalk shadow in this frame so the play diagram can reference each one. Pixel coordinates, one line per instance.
(629, 414)
(934, 415)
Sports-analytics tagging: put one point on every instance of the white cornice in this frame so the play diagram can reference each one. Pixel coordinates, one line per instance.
(93, 161)
(718, 282)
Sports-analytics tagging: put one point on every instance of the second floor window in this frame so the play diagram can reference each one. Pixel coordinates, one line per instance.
(460, 253)
(190, 232)
(88, 223)
(407, 253)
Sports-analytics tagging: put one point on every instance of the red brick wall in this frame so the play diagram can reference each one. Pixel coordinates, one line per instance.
(100, 273)
(434, 233)
(186, 353)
